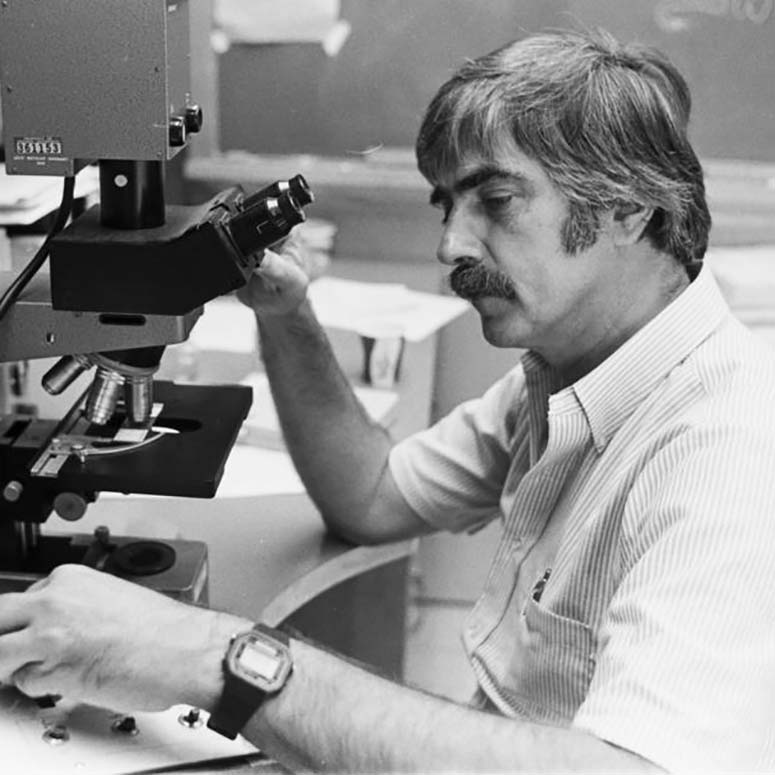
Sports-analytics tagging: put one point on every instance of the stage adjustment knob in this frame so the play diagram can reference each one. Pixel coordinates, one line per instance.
(70, 506)
(13, 491)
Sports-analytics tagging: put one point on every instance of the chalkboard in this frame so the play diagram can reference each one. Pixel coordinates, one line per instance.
(293, 98)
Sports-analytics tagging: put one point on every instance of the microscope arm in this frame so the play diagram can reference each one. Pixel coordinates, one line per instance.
(33, 329)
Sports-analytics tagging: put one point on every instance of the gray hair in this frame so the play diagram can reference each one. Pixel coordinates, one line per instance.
(607, 122)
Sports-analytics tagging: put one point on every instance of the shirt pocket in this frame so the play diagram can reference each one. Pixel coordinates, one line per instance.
(553, 665)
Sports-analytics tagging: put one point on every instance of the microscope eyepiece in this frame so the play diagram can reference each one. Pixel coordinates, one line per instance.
(297, 187)
(264, 221)
(300, 190)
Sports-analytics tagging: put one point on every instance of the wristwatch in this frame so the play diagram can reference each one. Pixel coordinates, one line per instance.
(257, 664)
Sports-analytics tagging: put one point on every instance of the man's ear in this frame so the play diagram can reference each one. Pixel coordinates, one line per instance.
(628, 222)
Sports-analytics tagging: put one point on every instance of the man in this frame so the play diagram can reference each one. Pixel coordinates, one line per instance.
(628, 621)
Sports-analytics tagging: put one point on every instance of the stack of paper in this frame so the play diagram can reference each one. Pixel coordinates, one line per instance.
(229, 326)
(357, 306)
(25, 199)
(262, 426)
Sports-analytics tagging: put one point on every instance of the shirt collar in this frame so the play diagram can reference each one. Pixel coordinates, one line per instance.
(610, 393)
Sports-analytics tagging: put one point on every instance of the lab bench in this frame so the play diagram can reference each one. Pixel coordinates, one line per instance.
(269, 555)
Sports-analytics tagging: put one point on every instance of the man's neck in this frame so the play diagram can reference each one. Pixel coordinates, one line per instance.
(647, 297)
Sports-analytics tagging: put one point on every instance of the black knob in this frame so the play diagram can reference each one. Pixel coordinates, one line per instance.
(71, 506)
(177, 131)
(125, 725)
(193, 119)
(192, 716)
(192, 719)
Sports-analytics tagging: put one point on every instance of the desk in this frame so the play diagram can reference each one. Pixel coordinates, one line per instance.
(260, 546)
(269, 556)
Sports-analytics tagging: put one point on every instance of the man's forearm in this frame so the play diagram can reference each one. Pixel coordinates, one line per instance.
(333, 716)
(339, 452)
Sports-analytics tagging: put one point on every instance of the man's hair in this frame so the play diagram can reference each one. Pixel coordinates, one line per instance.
(607, 122)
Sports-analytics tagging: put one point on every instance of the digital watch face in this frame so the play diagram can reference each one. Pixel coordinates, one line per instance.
(260, 663)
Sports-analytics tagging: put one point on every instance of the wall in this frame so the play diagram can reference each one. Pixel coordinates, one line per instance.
(374, 91)
(293, 98)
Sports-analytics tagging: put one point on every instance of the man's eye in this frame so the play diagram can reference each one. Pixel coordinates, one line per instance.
(445, 208)
(496, 201)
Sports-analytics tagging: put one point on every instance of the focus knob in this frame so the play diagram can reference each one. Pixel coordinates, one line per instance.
(177, 131)
(13, 491)
(70, 506)
(193, 119)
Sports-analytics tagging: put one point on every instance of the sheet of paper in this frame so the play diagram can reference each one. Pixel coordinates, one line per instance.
(26, 198)
(253, 471)
(229, 326)
(262, 425)
(226, 326)
(93, 748)
(363, 307)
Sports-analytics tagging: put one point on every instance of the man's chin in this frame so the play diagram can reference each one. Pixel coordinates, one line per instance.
(499, 330)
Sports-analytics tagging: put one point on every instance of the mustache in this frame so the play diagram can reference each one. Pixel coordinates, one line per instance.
(474, 281)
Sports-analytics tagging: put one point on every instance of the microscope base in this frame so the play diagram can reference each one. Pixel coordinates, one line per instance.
(175, 568)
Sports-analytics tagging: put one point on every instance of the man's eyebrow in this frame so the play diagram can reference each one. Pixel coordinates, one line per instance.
(477, 178)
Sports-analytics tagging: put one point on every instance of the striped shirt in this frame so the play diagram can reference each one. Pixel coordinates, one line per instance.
(633, 591)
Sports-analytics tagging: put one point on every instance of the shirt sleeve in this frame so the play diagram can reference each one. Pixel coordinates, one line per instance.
(452, 474)
(685, 665)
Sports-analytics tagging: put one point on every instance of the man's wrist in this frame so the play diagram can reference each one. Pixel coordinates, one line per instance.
(206, 681)
(267, 317)
(256, 667)
(299, 329)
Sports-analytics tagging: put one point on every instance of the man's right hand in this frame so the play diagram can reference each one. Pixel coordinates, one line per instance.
(92, 637)
(279, 285)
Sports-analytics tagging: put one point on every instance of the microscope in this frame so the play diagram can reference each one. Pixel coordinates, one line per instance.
(106, 82)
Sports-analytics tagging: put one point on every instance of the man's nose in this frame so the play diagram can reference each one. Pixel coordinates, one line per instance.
(457, 241)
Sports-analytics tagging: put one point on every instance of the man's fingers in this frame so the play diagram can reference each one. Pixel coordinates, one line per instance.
(280, 271)
(17, 650)
(14, 613)
(278, 285)
(39, 584)
(32, 680)
(274, 268)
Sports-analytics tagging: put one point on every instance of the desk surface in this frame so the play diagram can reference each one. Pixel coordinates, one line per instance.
(268, 556)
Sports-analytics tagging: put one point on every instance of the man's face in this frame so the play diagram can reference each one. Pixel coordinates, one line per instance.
(502, 235)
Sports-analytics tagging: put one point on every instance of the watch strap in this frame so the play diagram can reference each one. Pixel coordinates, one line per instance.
(273, 632)
(239, 699)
